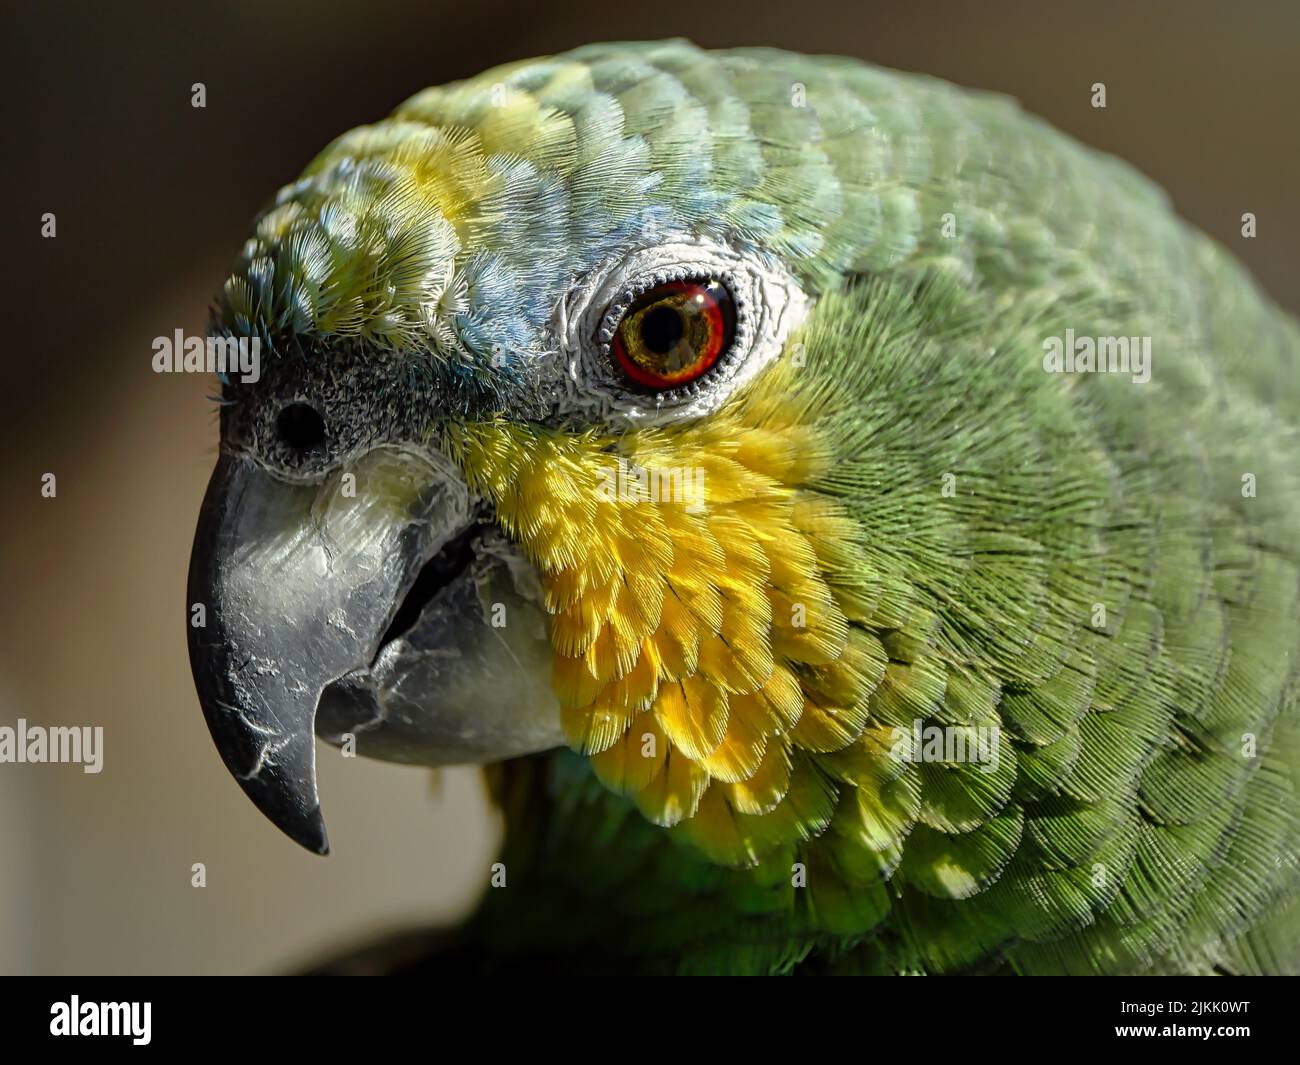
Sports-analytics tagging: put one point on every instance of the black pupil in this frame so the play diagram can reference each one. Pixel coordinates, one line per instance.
(300, 426)
(661, 329)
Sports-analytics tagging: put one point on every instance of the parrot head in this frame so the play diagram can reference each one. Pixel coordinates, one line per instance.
(525, 464)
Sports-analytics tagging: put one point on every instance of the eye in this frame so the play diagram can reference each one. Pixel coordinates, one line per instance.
(674, 332)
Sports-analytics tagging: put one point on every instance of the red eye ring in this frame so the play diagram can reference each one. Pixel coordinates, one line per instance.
(674, 332)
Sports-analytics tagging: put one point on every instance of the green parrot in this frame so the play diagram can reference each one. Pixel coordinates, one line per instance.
(853, 524)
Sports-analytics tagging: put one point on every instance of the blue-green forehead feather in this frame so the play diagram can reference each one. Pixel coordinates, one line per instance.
(452, 229)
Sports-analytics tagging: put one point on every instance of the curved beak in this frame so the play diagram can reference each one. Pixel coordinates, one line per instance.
(291, 587)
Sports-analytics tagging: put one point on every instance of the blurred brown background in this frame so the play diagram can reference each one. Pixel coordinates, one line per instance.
(153, 199)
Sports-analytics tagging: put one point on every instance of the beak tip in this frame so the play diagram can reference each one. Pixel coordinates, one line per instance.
(318, 845)
(307, 830)
(321, 845)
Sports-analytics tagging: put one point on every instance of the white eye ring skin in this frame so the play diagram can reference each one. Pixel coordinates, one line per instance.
(769, 305)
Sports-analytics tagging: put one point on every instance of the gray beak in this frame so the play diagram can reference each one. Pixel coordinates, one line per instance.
(296, 585)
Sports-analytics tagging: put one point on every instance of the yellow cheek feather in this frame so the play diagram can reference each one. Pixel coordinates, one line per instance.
(702, 638)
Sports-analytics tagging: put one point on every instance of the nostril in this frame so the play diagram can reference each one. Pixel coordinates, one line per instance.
(300, 426)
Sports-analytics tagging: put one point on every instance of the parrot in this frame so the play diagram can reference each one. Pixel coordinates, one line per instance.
(851, 523)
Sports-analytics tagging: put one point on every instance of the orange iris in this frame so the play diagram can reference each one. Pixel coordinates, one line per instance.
(674, 332)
